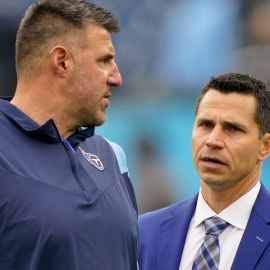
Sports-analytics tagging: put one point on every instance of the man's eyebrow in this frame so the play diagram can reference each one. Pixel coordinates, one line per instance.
(108, 56)
(224, 123)
(204, 119)
(234, 124)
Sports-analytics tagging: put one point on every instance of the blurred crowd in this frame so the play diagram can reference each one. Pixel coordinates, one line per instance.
(166, 51)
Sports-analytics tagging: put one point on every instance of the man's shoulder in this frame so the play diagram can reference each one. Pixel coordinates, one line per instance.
(163, 214)
(108, 148)
(98, 139)
(262, 203)
(169, 220)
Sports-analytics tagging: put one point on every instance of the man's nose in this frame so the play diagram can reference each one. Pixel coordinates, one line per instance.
(115, 78)
(215, 138)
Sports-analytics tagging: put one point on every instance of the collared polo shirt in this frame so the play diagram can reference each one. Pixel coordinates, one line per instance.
(65, 204)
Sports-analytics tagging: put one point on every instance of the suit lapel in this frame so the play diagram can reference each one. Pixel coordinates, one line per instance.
(256, 236)
(172, 236)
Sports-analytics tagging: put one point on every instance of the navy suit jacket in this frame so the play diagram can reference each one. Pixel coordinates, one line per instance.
(162, 236)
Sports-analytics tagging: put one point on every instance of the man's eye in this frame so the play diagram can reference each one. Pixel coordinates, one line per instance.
(106, 60)
(233, 128)
(206, 125)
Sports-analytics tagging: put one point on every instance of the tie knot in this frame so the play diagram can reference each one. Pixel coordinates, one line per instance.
(215, 225)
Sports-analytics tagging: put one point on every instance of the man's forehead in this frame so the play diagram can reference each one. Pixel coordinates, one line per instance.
(214, 99)
(232, 107)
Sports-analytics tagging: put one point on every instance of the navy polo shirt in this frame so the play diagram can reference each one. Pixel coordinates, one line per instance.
(65, 204)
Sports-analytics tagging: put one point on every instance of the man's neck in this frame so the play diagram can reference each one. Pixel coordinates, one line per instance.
(219, 198)
(41, 107)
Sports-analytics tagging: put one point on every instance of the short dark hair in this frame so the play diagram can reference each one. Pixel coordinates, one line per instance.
(246, 85)
(47, 20)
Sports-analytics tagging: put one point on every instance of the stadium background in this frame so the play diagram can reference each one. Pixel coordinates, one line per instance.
(167, 50)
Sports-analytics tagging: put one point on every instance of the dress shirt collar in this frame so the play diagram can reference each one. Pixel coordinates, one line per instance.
(237, 214)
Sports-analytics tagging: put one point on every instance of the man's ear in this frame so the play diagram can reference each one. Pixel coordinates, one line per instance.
(60, 61)
(265, 147)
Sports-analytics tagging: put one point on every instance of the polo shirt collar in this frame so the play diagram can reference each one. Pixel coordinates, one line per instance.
(46, 132)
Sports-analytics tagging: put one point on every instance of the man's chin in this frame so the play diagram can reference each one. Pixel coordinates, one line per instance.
(99, 121)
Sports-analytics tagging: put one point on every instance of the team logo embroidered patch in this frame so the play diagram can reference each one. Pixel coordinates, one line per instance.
(92, 159)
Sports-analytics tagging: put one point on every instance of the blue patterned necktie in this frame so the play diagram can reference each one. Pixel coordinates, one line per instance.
(207, 257)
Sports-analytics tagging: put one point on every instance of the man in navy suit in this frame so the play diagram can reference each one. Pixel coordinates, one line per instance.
(230, 140)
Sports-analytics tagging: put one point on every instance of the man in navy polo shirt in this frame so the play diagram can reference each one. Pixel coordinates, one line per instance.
(66, 200)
